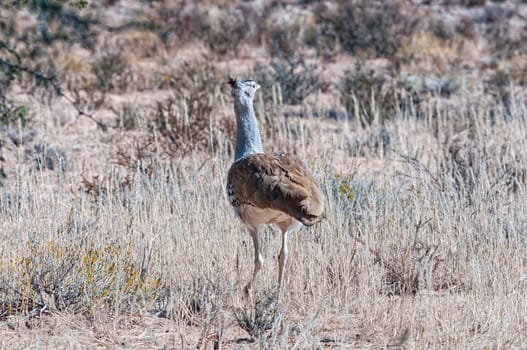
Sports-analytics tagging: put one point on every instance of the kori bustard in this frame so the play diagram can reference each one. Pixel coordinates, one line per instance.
(267, 188)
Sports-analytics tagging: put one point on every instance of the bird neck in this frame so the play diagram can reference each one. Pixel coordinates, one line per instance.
(248, 139)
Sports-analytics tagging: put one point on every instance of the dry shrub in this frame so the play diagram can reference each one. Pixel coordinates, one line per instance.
(467, 164)
(136, 158)
(412, 266)
(283, 33)
(109, 69)
(411, 263)
(79, 276)
(513, 70)
(185, 121)
(140, 43)
(180, 22)
(260, 315)
(508, 76)
(367, 96)
(89, 81)
(74, 72)
(181, 124)
(288, 80)
(324, 38)
(225, 30)
(181, 130)
(222, 27)
(425, 51)
(505, 37)
(472, 165)
(375, 29)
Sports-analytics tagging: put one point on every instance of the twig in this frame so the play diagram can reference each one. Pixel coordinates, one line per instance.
(56, 87)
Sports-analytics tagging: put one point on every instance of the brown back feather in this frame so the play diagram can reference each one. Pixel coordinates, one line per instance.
(278, 181)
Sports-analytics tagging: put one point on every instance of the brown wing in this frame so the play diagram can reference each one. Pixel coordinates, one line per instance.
(278, 181)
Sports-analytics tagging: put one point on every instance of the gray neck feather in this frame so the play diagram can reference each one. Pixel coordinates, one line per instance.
(248, 139)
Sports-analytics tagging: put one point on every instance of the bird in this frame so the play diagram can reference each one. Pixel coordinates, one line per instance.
(267, 188)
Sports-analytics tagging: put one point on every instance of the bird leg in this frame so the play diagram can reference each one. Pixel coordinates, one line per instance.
(282, 258)
(258, 259)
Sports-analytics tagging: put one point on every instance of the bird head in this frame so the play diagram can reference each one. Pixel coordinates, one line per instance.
(243, 89)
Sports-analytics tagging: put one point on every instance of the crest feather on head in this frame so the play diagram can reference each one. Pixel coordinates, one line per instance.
(232, 82)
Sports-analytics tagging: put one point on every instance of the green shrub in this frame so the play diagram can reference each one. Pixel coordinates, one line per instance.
(12, 114)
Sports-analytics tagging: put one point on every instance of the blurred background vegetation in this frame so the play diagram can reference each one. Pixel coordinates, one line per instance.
(398, 52)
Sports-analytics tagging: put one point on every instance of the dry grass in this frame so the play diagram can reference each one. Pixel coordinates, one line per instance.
(134, 245)
(421, 248)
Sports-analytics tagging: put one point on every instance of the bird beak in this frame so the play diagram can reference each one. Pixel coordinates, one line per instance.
(256, 87)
